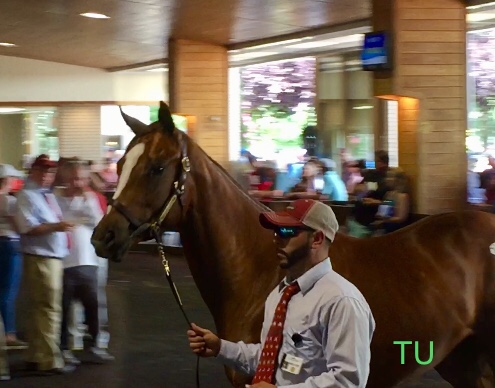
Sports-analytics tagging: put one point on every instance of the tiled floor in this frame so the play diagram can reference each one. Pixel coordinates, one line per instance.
(148, 335)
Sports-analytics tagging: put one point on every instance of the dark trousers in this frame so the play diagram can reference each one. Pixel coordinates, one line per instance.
(10, 280)
(80, 283)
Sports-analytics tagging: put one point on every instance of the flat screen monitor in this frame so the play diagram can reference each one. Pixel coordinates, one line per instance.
(375, 54)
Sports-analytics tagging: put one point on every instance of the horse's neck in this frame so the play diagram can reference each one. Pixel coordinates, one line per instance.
(232, 259)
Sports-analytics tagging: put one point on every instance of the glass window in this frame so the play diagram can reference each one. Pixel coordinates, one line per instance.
(277, 104)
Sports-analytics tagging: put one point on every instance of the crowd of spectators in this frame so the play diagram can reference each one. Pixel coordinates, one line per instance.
(45, 239)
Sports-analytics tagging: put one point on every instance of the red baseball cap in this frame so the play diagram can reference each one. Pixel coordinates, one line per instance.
(304, 212)
(43, 161)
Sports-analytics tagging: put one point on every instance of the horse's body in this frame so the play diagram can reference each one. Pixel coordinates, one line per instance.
(432, 281)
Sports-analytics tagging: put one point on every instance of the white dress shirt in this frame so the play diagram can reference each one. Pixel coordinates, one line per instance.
(36, 206)
(335, 327)
(85, 213)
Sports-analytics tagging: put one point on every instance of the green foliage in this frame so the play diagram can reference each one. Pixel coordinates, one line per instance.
(279, 125)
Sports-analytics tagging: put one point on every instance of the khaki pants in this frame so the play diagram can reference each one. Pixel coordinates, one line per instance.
(44, 284)
(4, 365)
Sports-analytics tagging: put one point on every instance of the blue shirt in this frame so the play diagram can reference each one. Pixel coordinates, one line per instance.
(336, 326)
(335, 187)
(32, 211)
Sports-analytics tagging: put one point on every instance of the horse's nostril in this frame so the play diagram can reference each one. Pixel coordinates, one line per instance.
(109, 238)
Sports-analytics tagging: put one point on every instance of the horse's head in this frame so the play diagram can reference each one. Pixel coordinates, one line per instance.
(153, 173)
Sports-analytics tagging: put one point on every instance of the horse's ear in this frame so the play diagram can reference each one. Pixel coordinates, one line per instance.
(138, 127)
(165, 117)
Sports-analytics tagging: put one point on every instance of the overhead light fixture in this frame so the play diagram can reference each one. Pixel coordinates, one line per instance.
(11, 110)
(329, 42)
(479, 17)
(279, 43)
(5, 44)
(363, 107)
(481, 5)
(246, 56)
(158, 69)
(94, 15)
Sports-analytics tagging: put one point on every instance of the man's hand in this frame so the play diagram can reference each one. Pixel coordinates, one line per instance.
(203, 342)
(261, 385)
(63, 226)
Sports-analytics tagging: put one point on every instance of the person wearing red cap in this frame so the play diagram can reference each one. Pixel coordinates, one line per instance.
(44, 243)
(318, 326)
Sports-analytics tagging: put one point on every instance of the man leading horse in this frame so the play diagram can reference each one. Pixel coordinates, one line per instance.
(318, 327)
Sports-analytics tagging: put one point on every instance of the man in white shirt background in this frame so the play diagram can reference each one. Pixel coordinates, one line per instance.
(80, 207)
(318, 327)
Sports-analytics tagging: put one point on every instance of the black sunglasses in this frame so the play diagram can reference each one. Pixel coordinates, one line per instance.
(289, 231)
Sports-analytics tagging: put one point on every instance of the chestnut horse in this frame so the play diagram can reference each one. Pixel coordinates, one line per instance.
(432, 281)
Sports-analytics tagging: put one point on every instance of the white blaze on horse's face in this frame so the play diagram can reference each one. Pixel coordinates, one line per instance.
(131, 160)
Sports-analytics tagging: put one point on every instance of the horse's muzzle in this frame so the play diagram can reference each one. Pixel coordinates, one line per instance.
(111, 237)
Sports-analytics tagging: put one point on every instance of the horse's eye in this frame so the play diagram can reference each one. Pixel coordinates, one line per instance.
(157, 170)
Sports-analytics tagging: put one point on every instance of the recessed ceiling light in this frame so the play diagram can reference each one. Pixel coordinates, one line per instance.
(95, 15)
(5, 44)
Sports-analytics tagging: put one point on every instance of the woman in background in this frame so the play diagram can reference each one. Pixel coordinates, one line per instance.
(10, 257)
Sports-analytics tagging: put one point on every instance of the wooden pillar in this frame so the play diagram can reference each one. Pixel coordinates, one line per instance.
(429, 82)
(198, 86)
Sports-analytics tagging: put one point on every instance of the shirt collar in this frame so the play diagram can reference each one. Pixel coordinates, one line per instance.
(308, 279)
(30, 185)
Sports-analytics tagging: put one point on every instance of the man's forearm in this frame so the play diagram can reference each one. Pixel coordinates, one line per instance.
(43, 229)
(239, 355)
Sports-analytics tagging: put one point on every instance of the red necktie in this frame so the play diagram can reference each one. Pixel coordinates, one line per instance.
(58, 214)
(273, 342)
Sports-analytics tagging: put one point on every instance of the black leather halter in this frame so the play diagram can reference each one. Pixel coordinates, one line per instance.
(178, 190)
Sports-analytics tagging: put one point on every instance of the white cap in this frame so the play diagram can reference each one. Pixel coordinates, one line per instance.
(7, 170)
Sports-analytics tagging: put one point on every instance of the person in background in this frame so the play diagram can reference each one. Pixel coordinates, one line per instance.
(307, 183)
(44, 243)
(393, 212)
(487, 182)
(4, 362)
(366, 207)
(355, 177)
(104, 334)
(476, 195)
(334, 186)
(10, 257)
(81, 207)
(77, 328)
(109, 173)
(317, 327)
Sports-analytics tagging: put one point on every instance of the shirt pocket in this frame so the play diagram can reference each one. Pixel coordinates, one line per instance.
(303, 343)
